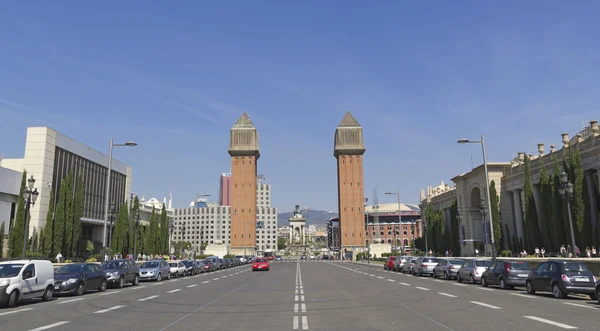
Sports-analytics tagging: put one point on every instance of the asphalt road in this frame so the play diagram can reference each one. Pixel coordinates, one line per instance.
(306, 295)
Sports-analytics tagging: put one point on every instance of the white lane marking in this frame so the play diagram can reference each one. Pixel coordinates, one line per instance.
(137, 287)
(459, 284)
(484, 305)
(50, 326)
(523, 295)
(206, 281)
(391, 280)
(543, 320)
(224, 276)
(304, 323)
(149, 298)
(447, 295)
(405, 284)
(578, 305)
(295, 324)
(107, 309)
(193, 285)
(109, 293)
(295, 308)
(173, 291)
(422, 288)
(296, 291)
(72, 300)
(16, 311)
(295, 298)
(301, 291)
(156, 284)
(216, 278)
(486, 289)
(439, 281)
(302, 298)
(379, 277)
(174, 280)
(371, 275)
(304, 308)
(230, 275)
(300, 285)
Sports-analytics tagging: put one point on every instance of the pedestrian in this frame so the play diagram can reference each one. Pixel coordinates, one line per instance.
(447, 254)
(543, 251)
(59, 257)
(537, 252)
(476, 252)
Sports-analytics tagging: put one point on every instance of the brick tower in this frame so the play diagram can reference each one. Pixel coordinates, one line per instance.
(349, 150)
(243, 148)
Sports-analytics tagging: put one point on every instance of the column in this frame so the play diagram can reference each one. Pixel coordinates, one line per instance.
(291, 236)
(518, 212)
(538, 204)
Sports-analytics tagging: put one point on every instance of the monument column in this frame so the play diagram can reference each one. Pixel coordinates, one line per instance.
(244, 152)
(348, 151)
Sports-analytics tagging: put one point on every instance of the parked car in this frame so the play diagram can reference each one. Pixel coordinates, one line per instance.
(447, 268)
(200, 266)
(209, 265)
(507, 274)
(408, 266)
(400, 262)
(77, 278)
(191, 267)
(562, 278)
(260, 264)
(177, 268)
(389, 263)
(303, 257)
(25, 279)
(425, 265)
(155, 270)
(279, 259)
(472, 270)
(119, 272)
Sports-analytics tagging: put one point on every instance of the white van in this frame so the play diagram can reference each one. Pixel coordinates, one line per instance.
(25, 279)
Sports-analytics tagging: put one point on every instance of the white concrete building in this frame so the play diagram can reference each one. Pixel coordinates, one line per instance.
(49, 156)
(10, 183)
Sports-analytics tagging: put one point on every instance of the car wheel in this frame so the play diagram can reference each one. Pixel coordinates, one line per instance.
(48, 293)
(503, 284)
(434, 274)
(446, 277)
(483, 282)
(136, 280)
(102, 287)
(557, 292)
(80, 289)
(529, 287)
(159, 277)
(121, 282)
(458, 279)
(169, 276)
(593, 296)
(472, 279)
(12, 299)
(598, 294)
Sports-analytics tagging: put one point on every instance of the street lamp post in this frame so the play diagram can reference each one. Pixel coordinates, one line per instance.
(566, 191)
(487, 188)
(107, 196)
(112, 219)
(182, 239)
(424, 225)
(137, 224)
(482, 211)
(397, 194)
(53, 215)
(29, 195)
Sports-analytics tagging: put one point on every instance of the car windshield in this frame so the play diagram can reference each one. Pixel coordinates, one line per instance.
(112, 264)
(208, 261)
(174, 264)
(10, 270)
(574, 266)
(521, 266)
(483, 263)
(260, 260)
(150, 265)
(456, 262)
(69, 269)
(188, 263)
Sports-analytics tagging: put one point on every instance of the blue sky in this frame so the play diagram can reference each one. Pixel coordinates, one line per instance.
(175, 77)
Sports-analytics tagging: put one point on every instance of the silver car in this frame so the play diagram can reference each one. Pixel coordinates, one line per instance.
(408, 266)
(425, 265)
(472, 270)
(447, 268)
(155, 270)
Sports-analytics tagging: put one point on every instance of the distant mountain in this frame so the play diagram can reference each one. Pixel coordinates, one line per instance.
(318, 218)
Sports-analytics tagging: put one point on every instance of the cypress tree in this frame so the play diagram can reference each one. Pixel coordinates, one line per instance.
(546, 201)
(59, 238)
(495, 214)
(42, 242)
(134, 211)
(508, 240)
(164, 230)
(531, 216)
(578, 202)
(119, 236)
(48, 234)
(557, 220)
(68, 214)
(2, 239)
(78, 198)
(18, 229)
(33, 241)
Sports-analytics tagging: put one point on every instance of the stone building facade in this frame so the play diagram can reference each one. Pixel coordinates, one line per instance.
(469, 189)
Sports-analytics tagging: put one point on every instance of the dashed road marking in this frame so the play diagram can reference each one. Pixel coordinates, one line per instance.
(15, 311)
(484, 305)
(206, 281)
(523, 295)
(50, 326)
(216, 278)
(148, 298)
(304, 308)
(295, 308)
(543, 320)
(173, 291)
(405, 284)
(193, 285)
(107, 309)
(578, 305)
(63, 302)
(486, 289)
(109, 293)
(391, 280)
(422, 288)
(459, 284)
(295, 323)
(304, 323)
(447, 295)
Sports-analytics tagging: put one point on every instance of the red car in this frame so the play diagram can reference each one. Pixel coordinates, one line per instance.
(389, 264)
(260, 264)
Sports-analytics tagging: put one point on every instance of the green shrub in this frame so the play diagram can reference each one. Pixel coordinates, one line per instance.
(91, 259)
(506, 253)
(228, 256)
